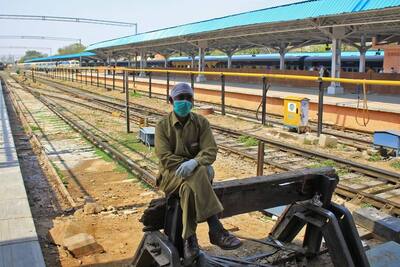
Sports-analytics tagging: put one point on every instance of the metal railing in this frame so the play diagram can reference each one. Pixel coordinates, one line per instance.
(68, 74)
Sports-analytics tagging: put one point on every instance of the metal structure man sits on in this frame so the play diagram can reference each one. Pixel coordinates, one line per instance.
(186, 148)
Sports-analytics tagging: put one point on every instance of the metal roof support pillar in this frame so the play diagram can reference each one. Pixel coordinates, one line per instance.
(108, 63)
(229, 54)
(143, 63)
(202, 62)
(338, 34)
(166, 57)
(108, 60)
(282, 52)
(363, 52)
(192, 63)
(193, 60)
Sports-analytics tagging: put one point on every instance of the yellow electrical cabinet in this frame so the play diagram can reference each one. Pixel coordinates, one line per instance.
(295, 114)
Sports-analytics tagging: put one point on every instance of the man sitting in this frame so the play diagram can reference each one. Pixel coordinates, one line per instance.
(186, 148)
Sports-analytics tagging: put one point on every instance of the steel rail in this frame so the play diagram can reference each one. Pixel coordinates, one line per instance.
(251, 118)
(362, 168)
(97, 141)
(342, 189)
(365, 169)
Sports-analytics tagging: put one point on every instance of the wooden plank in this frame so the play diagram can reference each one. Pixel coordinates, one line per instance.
(263, 192)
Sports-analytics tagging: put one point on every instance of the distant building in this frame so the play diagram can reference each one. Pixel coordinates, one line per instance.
(392, 56)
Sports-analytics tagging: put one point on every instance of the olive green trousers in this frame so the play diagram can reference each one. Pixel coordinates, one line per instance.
(197, 198)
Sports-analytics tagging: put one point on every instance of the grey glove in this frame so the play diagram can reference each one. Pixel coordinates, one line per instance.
(186, 168)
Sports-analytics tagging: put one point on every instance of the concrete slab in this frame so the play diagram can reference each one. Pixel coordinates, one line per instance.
(385, 255)
(21, 255)
(390, 194)
(19, 245)
(379, 223)
(17, 231)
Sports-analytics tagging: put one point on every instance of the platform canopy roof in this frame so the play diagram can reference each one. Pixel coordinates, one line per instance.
(290, 26)
(77, 56)
(348, 55)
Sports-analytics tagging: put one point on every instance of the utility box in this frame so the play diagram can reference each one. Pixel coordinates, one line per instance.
(295, 114)
(388, 139)
(146, 135)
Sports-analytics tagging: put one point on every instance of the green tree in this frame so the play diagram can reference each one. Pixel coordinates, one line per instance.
(29, 54)
(71, 49)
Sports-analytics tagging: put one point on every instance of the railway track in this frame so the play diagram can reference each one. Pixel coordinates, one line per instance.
(358, 139)
(377, 187)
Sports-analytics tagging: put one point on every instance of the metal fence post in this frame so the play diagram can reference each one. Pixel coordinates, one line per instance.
(72, 74)
(113, 77)
(97, 77)
(91, 77)
(260, 158)
(167, 87)
(192, 80)
(105, 79)
(264, 101)
(150, 85)
(86, 76)
(222, 94)
(133, 79)
(320, 107)
(126, 88)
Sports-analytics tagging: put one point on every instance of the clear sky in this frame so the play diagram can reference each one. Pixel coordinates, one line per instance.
(149, 14)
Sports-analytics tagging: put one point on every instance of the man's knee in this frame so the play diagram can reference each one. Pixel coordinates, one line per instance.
(204, 172)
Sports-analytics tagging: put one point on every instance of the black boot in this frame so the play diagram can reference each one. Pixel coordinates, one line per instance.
(224, 240)
(191, 250)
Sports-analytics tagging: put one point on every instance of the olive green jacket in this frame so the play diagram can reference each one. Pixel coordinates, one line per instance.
(176, 143)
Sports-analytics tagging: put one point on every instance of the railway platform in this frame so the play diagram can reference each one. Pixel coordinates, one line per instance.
(19, 243)
(343, 111)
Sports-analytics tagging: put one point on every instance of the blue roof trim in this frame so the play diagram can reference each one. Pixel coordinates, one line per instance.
(69, 56)
(347, 54)
(291, 12)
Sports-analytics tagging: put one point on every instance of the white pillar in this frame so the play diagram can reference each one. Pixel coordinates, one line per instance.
(108, 60)
(282, 52)
(166, 61)
(136, 63)
(336, 65)
(338, 34)
(192, 64)
(363, 51)
(200, 77)
(229, 60)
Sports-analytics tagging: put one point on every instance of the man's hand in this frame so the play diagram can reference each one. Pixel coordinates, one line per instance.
(186, 168)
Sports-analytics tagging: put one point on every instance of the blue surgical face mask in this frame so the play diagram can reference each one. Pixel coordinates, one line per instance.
(182, 107)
